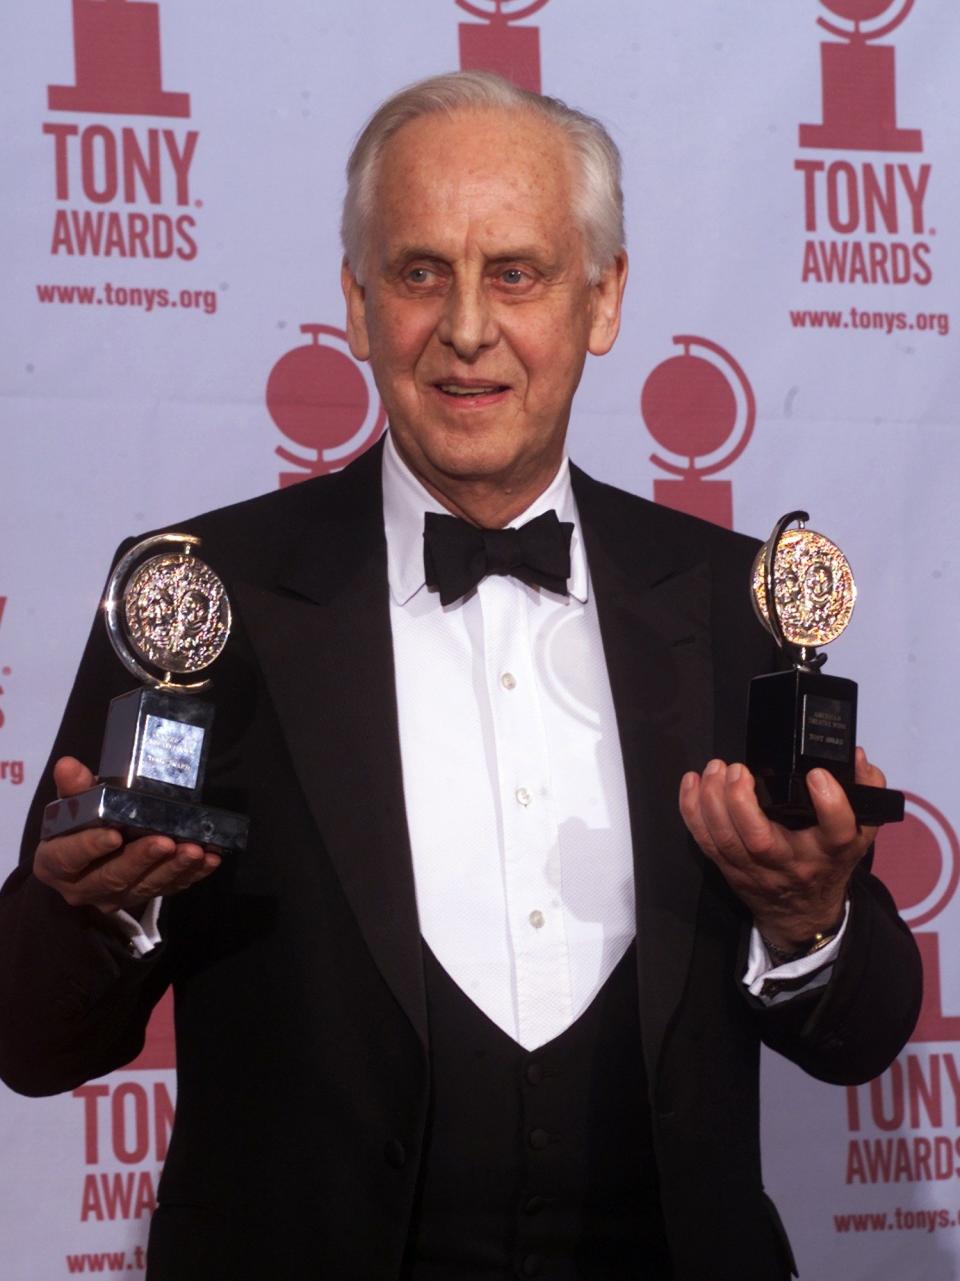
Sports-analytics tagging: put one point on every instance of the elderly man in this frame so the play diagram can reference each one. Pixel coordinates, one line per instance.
(473, 1004)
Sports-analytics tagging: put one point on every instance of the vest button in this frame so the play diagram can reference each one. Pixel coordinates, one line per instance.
(539, 1138)
(395, 1153)
(534, 1073)
(530, 1265)
(534, 1204)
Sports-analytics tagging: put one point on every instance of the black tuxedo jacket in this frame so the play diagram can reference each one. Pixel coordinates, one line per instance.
(303, 1079)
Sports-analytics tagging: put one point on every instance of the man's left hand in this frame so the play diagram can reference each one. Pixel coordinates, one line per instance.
(794, 883)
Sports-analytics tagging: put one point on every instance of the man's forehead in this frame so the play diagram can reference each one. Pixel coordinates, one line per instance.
(483, 166)
(481, 132)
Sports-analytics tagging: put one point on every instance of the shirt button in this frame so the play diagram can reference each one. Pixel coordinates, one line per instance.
(531, 1265)
(534, 1073)
(539, 1139)
(523, 796)
(508, 680)
(537, 920)
(535, 1204)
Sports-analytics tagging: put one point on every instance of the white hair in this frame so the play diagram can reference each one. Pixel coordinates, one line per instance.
(598, 198)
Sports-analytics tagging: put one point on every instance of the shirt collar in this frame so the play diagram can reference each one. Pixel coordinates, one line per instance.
(405, 500)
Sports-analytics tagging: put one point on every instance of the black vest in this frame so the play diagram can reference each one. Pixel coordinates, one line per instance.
(537, 1164)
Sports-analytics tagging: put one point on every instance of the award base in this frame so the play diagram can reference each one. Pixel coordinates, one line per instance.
(802, 720)
(152, 766)
(138, 813)
(786, 799)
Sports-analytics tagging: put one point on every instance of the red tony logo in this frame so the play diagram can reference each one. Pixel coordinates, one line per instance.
(512, 52)
(324, 401)
(859, 81)
(692, 407)
(919, 862)
(116, 47)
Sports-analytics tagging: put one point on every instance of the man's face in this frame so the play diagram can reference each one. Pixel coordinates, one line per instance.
(475, 310)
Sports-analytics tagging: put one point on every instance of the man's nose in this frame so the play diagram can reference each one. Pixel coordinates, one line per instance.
(468, 324)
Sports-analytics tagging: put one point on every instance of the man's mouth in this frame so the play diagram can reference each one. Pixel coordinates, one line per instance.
(470, 390)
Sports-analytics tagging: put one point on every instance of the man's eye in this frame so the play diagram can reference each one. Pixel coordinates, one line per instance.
(513, 276)
(419, 275)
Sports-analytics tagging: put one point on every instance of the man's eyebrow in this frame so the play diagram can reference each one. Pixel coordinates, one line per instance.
(525, 253)
(515, 253)
(408, 252)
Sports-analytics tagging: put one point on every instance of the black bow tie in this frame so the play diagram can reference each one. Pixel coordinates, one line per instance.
(456, 555)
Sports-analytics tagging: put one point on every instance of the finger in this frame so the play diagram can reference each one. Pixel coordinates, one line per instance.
(186, 867)
(835, 818)
(68, 858)
(71, 776)
(114, 877)
(106, 881)
(691, 813)
(754, 830)
(717, 817)
(867, 773)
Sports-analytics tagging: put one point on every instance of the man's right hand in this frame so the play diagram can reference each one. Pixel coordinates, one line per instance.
(94, 868)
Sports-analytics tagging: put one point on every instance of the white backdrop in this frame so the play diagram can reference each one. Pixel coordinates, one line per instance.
(173, 176)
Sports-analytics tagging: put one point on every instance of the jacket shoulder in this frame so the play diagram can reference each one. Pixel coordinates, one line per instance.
(621, 512)
(250, 535)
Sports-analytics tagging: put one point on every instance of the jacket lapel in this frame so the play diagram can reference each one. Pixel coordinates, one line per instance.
(654, 618)
(337, 706)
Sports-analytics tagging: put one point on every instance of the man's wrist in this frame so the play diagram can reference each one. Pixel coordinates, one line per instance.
(783, 952)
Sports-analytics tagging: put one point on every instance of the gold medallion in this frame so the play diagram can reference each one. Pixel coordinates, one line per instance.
(813, 586)
(176, 612)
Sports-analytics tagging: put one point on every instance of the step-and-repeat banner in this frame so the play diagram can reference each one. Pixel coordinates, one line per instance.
(173, 341)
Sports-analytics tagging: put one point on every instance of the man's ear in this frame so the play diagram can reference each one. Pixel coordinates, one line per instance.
(355, 298)
(607, 301)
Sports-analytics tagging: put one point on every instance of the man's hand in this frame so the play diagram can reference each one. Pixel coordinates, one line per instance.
(94, 868)
(794, 883)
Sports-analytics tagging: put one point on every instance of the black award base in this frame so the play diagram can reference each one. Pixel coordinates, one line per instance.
(151, 773)
(137, 813)
(802, 720)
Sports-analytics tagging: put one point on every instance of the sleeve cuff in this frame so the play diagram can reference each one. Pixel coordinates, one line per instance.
(774, 984)
(141, 936)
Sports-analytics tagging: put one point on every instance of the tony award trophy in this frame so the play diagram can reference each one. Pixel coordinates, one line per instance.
(167, 616)
(799, 720)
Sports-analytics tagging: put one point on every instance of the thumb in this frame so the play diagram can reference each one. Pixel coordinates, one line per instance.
(71, 776)
(866, 772)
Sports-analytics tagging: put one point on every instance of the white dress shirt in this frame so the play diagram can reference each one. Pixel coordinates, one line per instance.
(512, 776)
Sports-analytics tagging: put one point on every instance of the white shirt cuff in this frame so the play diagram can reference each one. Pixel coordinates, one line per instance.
(762, 974)
(142, 936)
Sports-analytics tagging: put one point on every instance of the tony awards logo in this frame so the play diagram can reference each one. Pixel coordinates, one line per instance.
(866, 218)
(919, 862)
(859, 81)
(699, 407)
(325, 402)
(497, 45)
(117, 55)
(121, 191)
